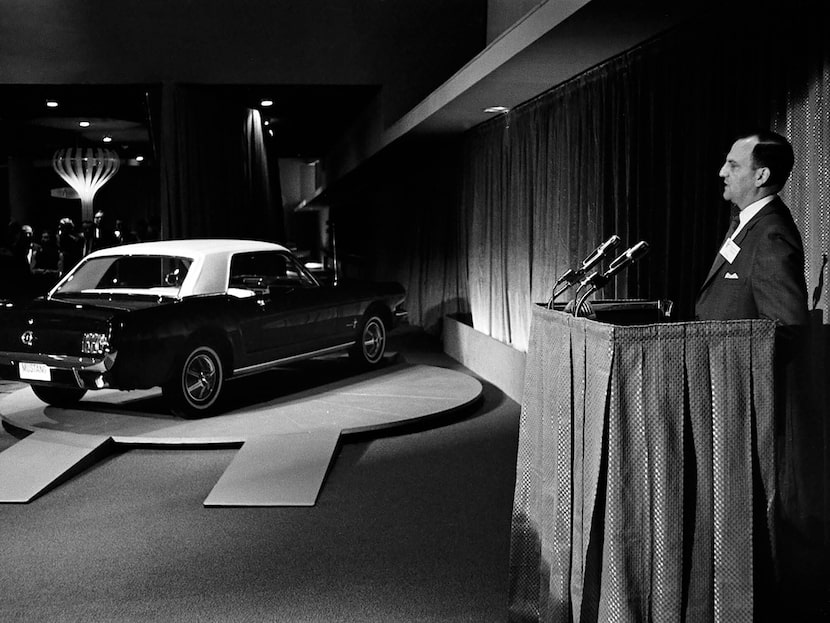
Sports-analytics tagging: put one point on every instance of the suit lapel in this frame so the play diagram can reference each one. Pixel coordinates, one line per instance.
(771, 207)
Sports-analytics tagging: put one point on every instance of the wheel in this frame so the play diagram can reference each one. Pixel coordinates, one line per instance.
(59, 396)
(371, 341)
(196, 384)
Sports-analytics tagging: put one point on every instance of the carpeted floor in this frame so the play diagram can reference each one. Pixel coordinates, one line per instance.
(410, 526)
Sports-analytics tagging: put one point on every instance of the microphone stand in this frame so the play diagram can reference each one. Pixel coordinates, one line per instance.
(571, 276)
(578, 305)
(566, 281)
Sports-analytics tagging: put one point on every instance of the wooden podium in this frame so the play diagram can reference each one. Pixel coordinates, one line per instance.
(646, 471)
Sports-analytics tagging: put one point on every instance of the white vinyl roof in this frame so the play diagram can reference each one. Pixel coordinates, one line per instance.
(193, 248)
(208, 274)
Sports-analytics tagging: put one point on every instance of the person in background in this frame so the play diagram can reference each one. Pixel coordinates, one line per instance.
(45, 263)
(119, 234)
(28, 245)
(15, 275)
(46, 252)
(98, 223)
(102, 237)
(87, 237)
(70, 246)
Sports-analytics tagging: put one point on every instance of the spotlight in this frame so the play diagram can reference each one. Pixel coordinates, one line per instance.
(266, 123)
(83, 124)
(51, 104)
(139, 158)
(107, 139)
(266, 103)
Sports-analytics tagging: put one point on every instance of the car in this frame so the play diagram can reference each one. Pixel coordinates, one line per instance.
(187, 316)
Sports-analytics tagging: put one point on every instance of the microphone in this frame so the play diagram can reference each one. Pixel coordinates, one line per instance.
(592, 260)
(597, 280)
(572, 276)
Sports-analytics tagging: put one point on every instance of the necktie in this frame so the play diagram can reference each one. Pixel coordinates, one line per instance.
(733, 225)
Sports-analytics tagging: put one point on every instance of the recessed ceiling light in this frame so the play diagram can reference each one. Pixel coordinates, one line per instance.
(139, 158)
(51, 104)
(83, 124)
(107, 139)
(266, 103)
(266, 123)
(496, 109)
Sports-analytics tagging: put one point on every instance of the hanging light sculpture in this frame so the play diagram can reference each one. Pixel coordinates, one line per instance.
(86, 170)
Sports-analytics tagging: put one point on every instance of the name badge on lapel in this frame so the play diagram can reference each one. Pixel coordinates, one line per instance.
(730, 250)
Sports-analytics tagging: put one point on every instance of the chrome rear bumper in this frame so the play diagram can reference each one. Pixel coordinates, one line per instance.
(83, 372)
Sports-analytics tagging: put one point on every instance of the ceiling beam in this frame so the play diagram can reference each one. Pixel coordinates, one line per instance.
(555, 42)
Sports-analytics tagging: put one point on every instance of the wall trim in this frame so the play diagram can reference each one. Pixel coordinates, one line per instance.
(494, 361)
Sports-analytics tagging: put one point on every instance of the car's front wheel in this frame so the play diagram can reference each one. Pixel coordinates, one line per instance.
(59, 396)
(371, 341)
(197, 383)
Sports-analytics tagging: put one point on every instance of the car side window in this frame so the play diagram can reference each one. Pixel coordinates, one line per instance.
(263, 271)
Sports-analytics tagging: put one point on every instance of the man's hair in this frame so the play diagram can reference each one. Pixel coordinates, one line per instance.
(774, 152)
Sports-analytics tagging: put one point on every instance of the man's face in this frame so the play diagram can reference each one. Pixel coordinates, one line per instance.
(741, 182)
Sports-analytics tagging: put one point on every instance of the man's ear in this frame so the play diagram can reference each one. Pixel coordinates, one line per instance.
(762, 176)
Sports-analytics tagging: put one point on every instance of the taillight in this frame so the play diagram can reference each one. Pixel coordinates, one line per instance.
(95, 344)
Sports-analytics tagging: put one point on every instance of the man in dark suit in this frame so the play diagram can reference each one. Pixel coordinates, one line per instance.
(759, 270)
(759, 273)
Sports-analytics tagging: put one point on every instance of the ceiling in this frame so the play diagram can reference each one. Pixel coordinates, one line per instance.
(321, 61)
(305, 121)
(554, 42)
(338, 120)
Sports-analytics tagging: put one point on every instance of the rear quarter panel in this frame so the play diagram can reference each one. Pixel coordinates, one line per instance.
(150, 340)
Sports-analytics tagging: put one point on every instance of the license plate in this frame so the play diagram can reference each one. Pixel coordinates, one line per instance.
(34, 371)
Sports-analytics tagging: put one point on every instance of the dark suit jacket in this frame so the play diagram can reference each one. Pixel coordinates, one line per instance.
(766, 280)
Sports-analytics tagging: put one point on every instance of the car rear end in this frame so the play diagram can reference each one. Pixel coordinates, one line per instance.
(58, 343)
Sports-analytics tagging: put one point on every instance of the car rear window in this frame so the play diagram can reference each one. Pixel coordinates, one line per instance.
(154, 273)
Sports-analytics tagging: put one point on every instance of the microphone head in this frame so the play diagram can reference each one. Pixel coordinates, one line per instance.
(612, 242)
(599, 253)
(627, 257)
(638, 250)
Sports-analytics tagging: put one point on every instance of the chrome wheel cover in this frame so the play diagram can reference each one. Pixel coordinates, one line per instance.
(374, 340)
(201, 377)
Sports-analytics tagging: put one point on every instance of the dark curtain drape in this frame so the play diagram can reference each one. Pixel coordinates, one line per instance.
(405, 227)
(216, 178)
